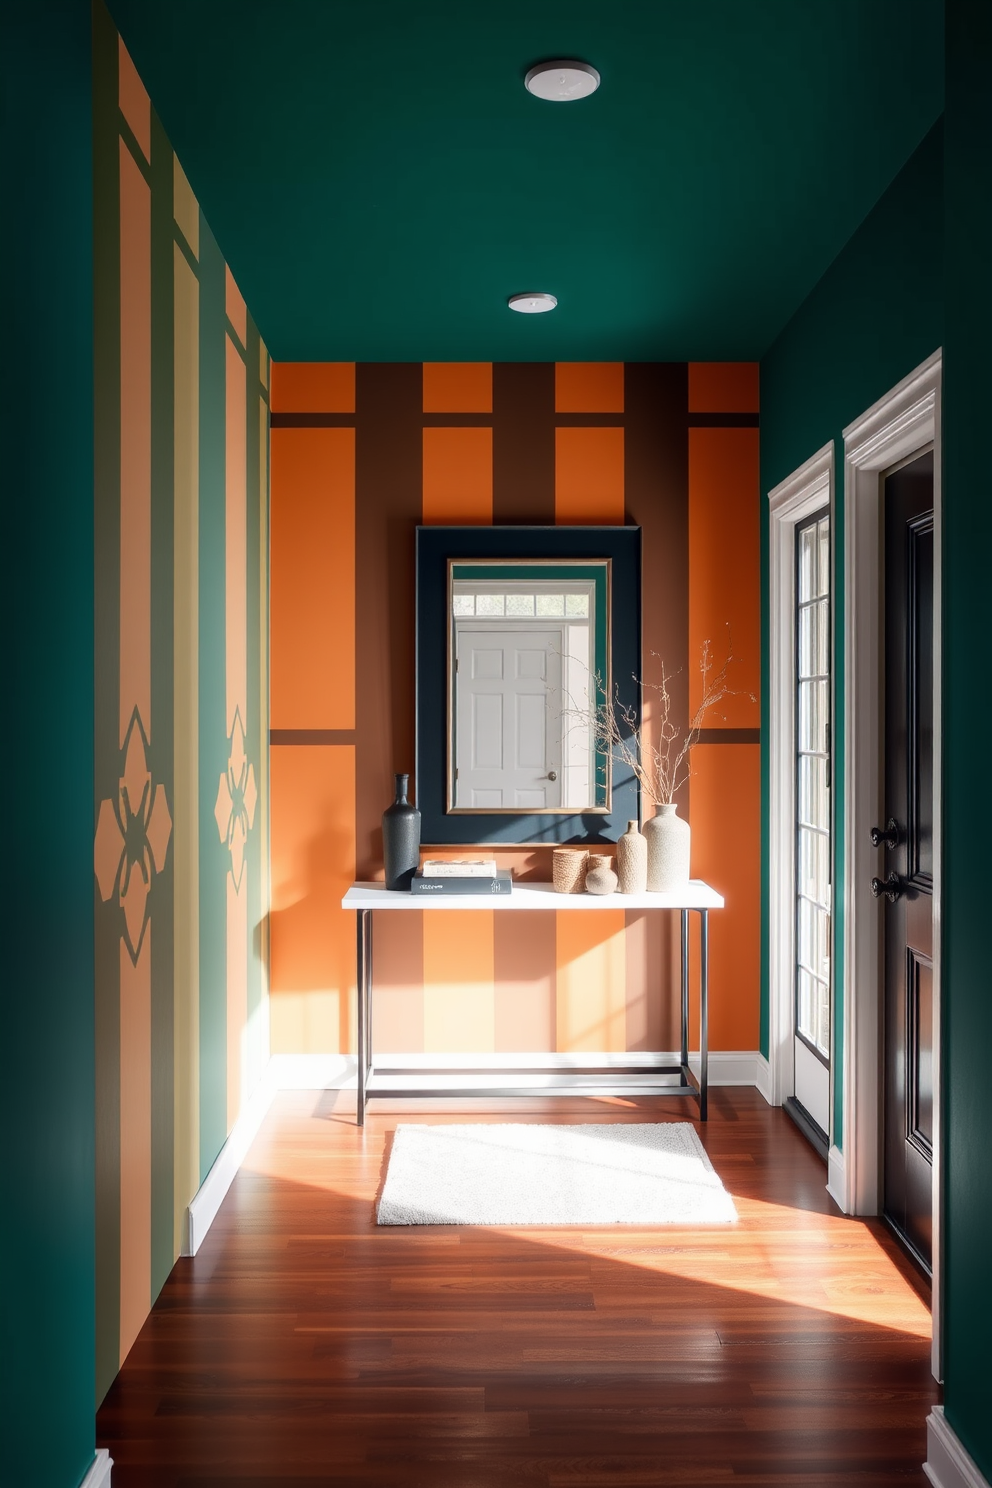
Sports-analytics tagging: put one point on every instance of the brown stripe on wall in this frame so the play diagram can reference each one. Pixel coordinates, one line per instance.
(524, 443)
(657, 500)
(311, 736)
(388, 508)
(723, 421)
(312, 420)
(388, 482)
(729, 736)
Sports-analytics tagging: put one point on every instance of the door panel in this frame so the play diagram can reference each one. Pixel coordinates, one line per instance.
(907, 1188)
(509, 711)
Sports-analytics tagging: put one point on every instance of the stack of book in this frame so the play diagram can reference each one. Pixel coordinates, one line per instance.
(461, 876)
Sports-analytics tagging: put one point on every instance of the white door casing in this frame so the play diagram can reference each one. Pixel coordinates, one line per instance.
(806, 491)
(904, 422)
(508, 703)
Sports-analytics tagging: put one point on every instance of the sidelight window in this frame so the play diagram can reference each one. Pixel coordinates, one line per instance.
(813, 903)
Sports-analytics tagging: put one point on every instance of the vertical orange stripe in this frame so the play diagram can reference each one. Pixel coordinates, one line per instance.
(726, 836)
(592, 993)
(458, 387)
(234, 305)
(589, 387)
(724, 596)
(237, 993)
(459, 998)
(458, 476)
(136, 1140)
(312, 578)
(136, 448)
(313, 387)
(312, 939)
(236, 551)
(133, 100)
(723, 387)
(589, 476)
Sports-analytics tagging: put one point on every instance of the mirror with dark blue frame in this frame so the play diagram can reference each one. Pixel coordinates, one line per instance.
(524, 635)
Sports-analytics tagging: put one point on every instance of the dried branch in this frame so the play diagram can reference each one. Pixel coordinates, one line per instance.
(660, 766)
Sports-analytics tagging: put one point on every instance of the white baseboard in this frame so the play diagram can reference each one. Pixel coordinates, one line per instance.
(283, 1072)
(837, 1178)
(763, 1078)
(948, 1465)
(338, 1072)
(99, 1473)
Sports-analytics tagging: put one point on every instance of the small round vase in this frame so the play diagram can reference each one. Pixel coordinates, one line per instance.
(401, 838)
(668, 851)
(632, 861)
(600, 879)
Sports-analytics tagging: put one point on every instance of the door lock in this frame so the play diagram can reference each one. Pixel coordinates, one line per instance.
(552, 774)
(891, 887)
(887, 838)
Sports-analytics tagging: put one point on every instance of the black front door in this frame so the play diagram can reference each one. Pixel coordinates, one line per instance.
(907, 873)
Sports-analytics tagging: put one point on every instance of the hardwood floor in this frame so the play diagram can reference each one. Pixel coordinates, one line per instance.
(303, 1346)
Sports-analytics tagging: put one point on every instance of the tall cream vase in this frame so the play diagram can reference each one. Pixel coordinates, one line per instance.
(668, 850)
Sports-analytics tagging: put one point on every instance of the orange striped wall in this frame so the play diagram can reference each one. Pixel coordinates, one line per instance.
(608, 445)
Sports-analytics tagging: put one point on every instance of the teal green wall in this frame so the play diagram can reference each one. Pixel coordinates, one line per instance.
(47, 743)
(873, 317)
(967, 980)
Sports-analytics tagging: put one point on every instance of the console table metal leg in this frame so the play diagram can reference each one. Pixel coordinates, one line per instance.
(362, 947)
(684, 1055)
(704, 999)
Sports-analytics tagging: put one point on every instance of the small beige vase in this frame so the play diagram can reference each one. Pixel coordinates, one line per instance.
(632, 861)
(600, 879)
(668, 851)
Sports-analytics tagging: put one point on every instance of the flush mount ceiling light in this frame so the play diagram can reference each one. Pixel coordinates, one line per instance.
(562, 81)
(532, 304)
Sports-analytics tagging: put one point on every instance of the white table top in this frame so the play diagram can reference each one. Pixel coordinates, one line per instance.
(695, 895)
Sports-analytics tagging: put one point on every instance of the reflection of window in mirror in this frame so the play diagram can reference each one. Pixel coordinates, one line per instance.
(525, 661)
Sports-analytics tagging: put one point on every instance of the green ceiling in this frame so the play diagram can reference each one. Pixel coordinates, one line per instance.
(380, 182)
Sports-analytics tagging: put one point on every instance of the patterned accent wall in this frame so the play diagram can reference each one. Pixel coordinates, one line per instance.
(180, 852)
(361, 455)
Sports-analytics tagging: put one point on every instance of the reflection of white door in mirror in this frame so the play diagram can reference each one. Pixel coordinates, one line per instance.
(509, 718)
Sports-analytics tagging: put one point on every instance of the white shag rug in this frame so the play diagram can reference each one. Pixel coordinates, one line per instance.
(552, 1175)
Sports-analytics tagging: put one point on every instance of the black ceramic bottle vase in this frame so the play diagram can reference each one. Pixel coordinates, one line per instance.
(401, 838)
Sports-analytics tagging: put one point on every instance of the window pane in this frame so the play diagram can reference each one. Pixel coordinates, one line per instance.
(520, 604)
(551, 604)
(823, 1020)
(463, 604)
(577, 604)
(489, 604)
(807, 563)
(806, 1010)
(823, 545)
(808, 641)
(823, 639)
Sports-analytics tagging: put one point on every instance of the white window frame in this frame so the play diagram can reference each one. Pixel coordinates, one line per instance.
(807, 490)
(904, 422)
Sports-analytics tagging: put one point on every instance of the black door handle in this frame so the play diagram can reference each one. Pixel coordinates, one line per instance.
(891, 887)
(887, 838)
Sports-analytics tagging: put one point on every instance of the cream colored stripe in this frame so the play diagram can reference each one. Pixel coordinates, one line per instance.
(136, 1140)
(136, 446)
(236, 539)
(459, 976)
(263, 663)
(592, 993)
(184, 208)
(186, 852)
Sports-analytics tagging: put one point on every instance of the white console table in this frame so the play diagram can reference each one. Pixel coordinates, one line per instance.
(392, 1081)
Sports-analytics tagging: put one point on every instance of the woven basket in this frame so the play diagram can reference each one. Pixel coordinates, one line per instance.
(568, 869)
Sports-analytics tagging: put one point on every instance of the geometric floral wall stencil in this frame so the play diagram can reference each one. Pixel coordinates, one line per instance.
(237, 797)
(132, 838)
